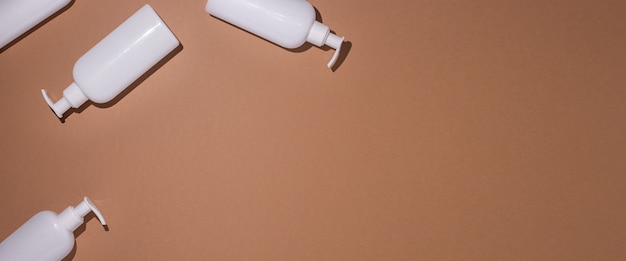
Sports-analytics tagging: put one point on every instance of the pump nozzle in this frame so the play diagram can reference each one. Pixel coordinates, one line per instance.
(87, 206)
(320, 35)
(72, 97)
(72, 217)
(335, 42)
(59, 107)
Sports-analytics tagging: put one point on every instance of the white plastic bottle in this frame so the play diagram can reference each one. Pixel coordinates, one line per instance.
(18, 16)
(287, 23)
(117, 61)
(47, 236)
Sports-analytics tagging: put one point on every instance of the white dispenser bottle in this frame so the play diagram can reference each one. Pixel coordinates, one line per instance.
(18, 16)
(117, 61)
(287, 23)
(47, 236)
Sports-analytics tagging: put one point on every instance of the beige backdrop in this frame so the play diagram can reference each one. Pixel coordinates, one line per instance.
(453, 130)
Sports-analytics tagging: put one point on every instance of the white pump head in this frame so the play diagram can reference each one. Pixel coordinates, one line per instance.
(320, 35)
(73, 97)
(72, 217)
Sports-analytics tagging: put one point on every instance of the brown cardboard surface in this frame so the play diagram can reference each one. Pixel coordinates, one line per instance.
(453, 130)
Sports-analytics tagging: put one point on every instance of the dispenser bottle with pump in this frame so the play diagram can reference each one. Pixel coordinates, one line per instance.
(287, 23)
(47, 236)
(18, 16)
(117, 61)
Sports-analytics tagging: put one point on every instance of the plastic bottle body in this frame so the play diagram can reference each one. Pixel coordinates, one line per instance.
(283, 22)
(41, 238)
(287, 23)
(124, 55)
(18, 16)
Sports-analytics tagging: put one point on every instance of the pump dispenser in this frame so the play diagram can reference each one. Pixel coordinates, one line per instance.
(287, 23)
(72, 217)
(47, 236)
(320, 35)
(117, 61)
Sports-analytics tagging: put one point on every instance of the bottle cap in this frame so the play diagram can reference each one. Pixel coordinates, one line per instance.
(320, 35)
(73, 97)
(73, 217)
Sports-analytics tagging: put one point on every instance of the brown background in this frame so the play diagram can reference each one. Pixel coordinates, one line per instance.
(453, 130)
